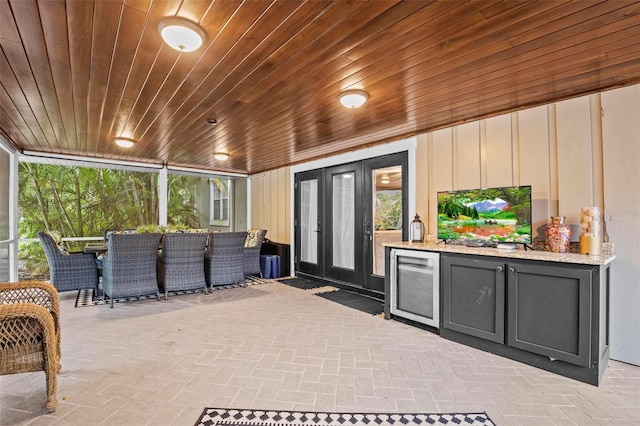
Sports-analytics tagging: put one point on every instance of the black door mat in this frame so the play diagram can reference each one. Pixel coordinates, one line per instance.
(302, 283)
(344, 297)
(355, 301)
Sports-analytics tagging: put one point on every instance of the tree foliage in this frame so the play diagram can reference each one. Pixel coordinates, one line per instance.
(453, 207)
(84, 202)
(388, 206)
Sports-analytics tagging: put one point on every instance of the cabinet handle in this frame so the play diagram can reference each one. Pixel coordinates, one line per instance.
(512, 270)
(499, 268)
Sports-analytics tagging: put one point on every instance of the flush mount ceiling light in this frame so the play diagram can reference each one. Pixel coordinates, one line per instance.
(385, 180)
(124, 142)
(353, 98)
(182, 35)
(221, 156)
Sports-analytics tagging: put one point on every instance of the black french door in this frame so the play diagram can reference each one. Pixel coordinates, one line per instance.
(308, 223)
(343, 216)
(385, 212)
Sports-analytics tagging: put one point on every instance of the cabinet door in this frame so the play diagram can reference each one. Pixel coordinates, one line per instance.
(473, 296)
(549, 311)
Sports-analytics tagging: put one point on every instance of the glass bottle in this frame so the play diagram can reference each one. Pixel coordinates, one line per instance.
(589, 230)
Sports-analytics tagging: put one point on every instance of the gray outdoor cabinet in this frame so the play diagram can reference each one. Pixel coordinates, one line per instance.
(547, 314)
(549, 311)
(473, 296)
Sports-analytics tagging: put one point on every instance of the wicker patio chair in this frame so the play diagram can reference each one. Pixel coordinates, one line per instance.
(38, 293)
(181, 265)
(69, 271)
(28, 344)
(129, 268)
(251, 252)
(224, 261)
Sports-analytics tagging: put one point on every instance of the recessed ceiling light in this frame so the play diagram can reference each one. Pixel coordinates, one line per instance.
(124, 142)
(181, 34)
(353, 98)
(221, 156)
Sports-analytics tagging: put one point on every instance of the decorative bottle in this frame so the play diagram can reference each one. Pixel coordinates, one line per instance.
(590, 230)
(558, 235)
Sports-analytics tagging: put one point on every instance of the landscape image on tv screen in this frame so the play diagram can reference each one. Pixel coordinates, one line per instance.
(500, 215)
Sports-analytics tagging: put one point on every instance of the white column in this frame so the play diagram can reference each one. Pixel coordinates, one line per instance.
(249, 202)
(163, 196)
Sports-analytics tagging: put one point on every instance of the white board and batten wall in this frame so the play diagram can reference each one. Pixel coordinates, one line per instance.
(270, 204)
(580, 152)
(621, 157)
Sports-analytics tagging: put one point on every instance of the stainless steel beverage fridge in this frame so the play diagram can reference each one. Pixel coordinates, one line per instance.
(415, 286)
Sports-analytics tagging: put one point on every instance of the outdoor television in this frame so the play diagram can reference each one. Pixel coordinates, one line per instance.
(493, 215)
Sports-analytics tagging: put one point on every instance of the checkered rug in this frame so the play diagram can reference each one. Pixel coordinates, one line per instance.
(232, 417)
(86, 297)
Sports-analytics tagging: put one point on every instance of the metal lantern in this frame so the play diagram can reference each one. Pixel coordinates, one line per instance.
(416, 230)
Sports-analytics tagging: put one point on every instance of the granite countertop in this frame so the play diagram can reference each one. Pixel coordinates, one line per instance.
(514, 254)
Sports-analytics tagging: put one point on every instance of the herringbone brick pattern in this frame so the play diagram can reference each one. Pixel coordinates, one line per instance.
(276, 347)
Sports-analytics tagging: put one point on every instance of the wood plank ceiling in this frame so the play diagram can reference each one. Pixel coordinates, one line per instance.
(76, 74)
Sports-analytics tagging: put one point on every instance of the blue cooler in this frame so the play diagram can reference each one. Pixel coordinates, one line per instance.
(275, 266)
(270, 265)
(265, 265)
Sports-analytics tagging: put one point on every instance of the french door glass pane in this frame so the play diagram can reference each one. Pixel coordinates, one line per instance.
(387, 212)
(309, 221)
(343, 190)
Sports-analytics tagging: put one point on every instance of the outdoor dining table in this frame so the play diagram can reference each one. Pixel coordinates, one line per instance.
(95, 248)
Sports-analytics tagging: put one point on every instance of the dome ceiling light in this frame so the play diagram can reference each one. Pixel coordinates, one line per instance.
(124, 142)
(181, 34)
(354, 98)
(220, 156)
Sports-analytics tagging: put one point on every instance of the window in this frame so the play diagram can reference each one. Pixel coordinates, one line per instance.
(80, 203)
(188, 201)
(81, 200)
(220, 201)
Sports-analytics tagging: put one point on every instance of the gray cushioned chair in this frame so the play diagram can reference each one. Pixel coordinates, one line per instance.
(181, 264)
(69, 271)
(251, 251)
(129, 268)
(224, 261)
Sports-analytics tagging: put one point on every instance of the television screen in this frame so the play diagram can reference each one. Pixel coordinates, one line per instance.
(499, 215)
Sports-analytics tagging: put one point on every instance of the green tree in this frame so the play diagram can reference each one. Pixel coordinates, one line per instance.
(388, 210)
(82, 202)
